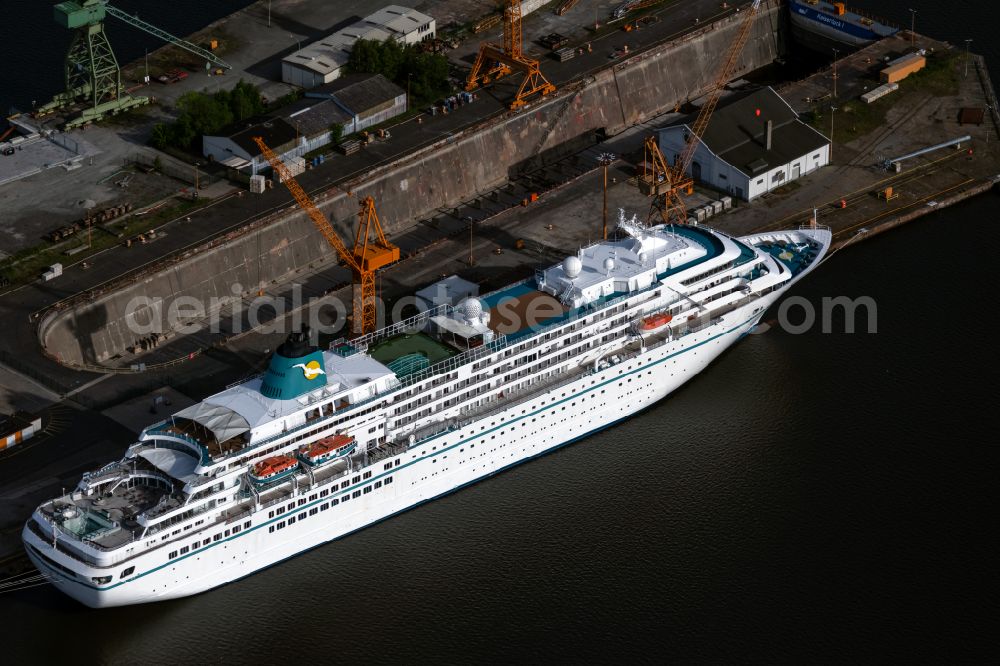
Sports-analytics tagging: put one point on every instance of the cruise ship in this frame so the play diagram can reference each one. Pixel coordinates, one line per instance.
(328, 441)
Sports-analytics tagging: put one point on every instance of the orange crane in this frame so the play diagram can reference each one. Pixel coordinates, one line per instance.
(666, 182)
(368, 255)
(496, 61)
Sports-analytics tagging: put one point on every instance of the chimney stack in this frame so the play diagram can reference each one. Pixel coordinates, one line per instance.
(767, 140)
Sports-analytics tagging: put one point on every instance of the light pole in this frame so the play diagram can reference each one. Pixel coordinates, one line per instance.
(409, 75)
(836, 52)
(967, 43)
(913, 23)
(605, 160)
(472, 261)
(268, 13)
(832, 109)
(196, 188)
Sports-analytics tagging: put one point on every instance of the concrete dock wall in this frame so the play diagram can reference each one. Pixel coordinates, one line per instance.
(440, 175)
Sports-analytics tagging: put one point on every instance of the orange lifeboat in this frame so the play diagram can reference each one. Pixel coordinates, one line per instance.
(655, 321)
(326, 449)
(273, 469)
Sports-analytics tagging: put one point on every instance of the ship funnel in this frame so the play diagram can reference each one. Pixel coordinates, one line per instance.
(296, 368)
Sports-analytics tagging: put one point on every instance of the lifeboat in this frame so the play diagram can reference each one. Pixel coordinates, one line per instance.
(655, 321)
(274, 468)
(327, 449)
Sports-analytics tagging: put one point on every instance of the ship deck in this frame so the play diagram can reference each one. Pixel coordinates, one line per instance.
(511, 306)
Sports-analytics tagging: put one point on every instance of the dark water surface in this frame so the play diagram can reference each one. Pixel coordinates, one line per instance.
(830, 494)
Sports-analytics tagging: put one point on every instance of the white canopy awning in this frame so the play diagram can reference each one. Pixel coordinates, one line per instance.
(222, 421)
(235, 162)
(175, 464)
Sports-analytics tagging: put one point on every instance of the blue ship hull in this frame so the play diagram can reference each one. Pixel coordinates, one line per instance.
(821, 19)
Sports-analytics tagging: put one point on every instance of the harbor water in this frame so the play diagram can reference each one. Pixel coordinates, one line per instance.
(827, 494)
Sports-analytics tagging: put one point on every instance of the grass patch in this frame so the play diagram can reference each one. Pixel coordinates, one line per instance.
(940, 77)
(28, 264)
(852, 119)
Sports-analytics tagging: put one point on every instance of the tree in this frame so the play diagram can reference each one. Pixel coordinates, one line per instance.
(425, 73)
(183, 133)
(161, 136)
(245, 101)
(336, 132)
(205, 113)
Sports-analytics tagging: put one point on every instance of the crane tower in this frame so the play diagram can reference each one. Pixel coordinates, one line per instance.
(92, 74)
(498, 60)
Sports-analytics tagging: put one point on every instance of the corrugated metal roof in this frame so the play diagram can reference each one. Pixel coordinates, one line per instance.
(314, 116)
(359, 92)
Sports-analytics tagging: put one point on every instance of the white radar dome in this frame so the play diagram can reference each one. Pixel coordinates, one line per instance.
(473, 308)
(609, 264)
(572, 266)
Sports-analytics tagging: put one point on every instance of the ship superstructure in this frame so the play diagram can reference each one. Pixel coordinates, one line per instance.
(326, 442)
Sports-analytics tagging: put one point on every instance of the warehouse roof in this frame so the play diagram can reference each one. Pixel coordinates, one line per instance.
(737, 132)
(358, 92)
(311, 116)
(275, 132)
(398, 20)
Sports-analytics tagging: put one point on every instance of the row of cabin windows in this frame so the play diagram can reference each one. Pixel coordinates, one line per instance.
(698, 278)
(326, 505)
(486, 363)
(480, 390)
(235, 529)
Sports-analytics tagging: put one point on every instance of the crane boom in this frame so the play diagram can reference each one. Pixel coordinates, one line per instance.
(666, 184)
(137, 22)
(308, 206)
(725, 73)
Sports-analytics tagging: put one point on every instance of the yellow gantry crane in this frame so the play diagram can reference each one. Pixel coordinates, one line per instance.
(496, 61)
(365, 259)
(667, 182)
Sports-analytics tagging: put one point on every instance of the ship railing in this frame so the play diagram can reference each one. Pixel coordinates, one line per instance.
(454, 362)
(414, 323)
(246, 379)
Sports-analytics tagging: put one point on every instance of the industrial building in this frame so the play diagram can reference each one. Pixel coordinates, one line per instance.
(366, 99)
(355, 102)
(322, 61)
(754, 144)
(237, 149)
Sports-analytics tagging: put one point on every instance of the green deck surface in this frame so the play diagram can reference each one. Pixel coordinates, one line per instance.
(417, 343)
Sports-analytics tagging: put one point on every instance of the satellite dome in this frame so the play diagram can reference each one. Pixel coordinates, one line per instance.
(643, 257)
(572, 266)
(473, 309)
(609, 264)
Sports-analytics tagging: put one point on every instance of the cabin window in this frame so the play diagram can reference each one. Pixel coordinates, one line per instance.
(172, 555)
(127, 572)
(357, 493)
(184, 549)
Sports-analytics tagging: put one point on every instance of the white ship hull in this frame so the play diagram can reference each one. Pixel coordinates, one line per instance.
(593, 402)
(459, 436)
